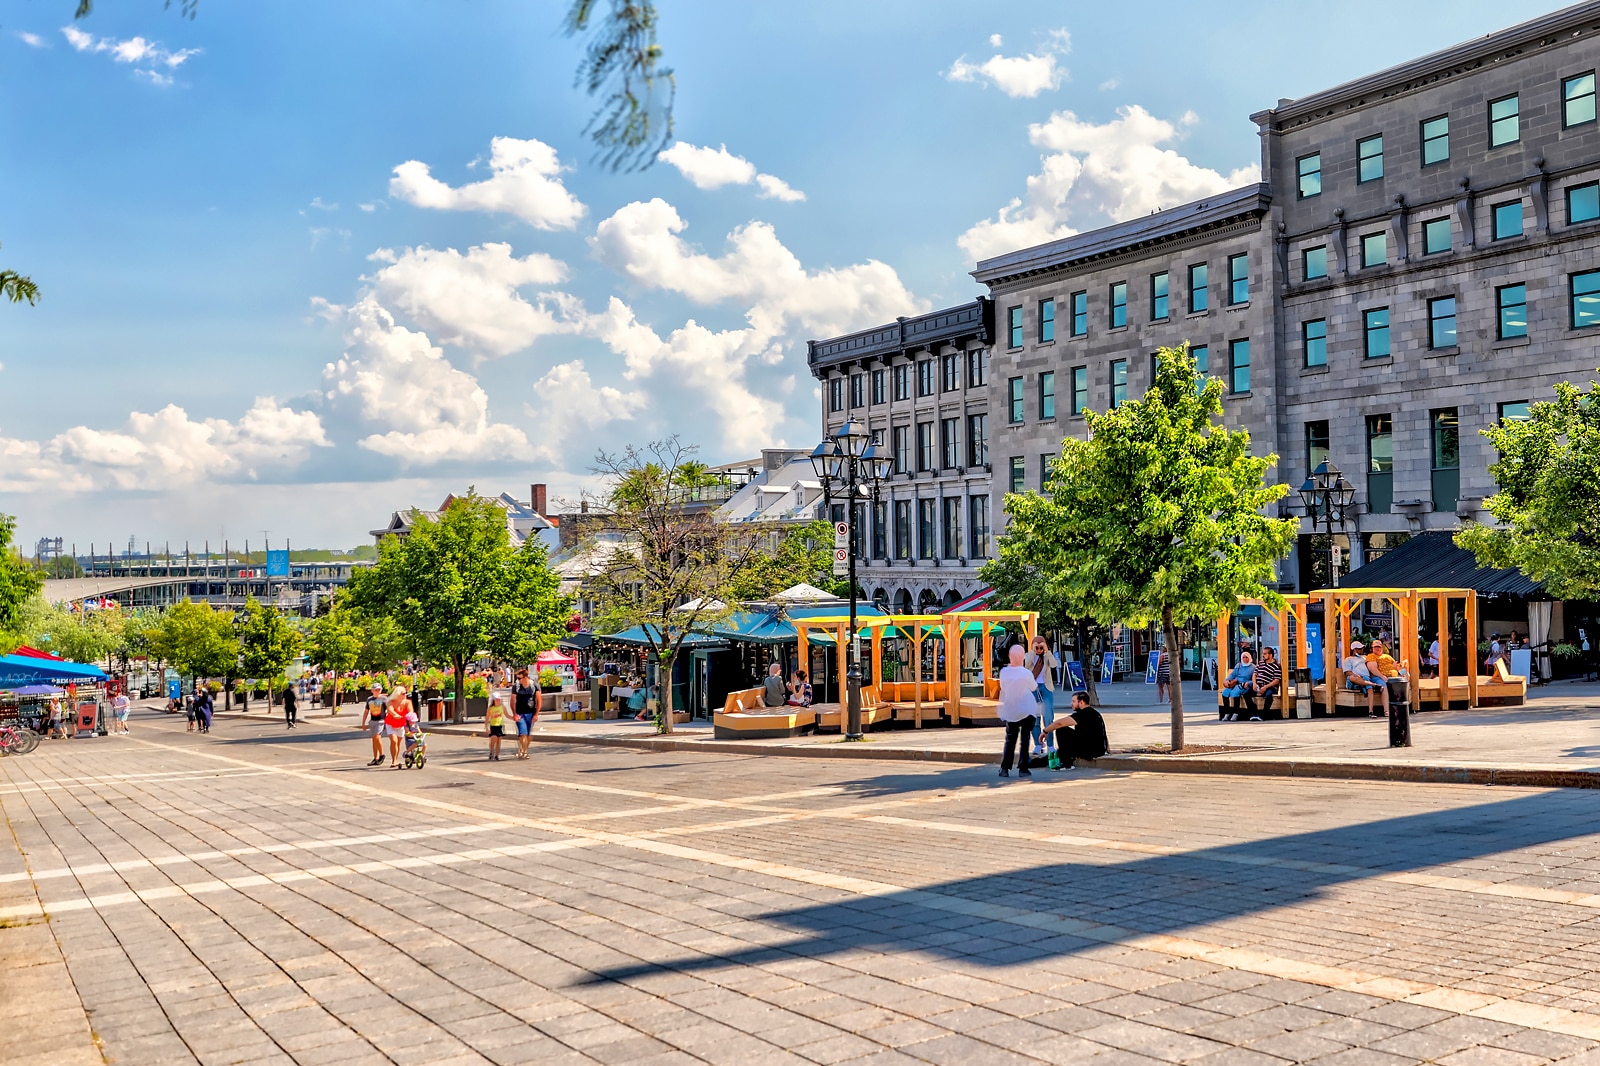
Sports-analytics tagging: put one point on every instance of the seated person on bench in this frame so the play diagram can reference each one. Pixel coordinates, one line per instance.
(799, 690)
(1358, 678)
(1240, 682)
(1382, 667)
(1082, 733)
(1269, 678)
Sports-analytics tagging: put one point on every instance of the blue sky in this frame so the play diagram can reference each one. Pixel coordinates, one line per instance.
(252, 320)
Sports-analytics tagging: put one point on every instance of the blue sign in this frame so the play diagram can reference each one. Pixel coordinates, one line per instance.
(174, 689)
(1150, 668)
(1108, 666)
(278, 563)
(1314, 649)
(1075, 677)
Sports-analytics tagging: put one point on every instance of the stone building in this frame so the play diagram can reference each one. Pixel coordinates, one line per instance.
(1419, 262)
(922, 386)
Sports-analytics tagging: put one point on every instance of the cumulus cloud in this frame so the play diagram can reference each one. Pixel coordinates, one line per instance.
(712, 168)
(1098, 173)
(32, 40)
(419, 408)
(525, 182)
(150, 60)
(474, 300)
(1018, 76)
(641, 241)
(570, 406)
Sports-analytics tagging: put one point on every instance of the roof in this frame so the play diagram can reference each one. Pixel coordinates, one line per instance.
(1432, 560)
(19, 670)
(953, 324)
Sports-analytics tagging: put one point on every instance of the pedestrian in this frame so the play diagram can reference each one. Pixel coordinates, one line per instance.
(394, 724)
(1084, 733)
(494, 721)
(119, 712)
(1163, 676)
(202, 710)
(372, 721)
(290, 698)
(1017, 708)
(526, 700)
(189, 709)
(56, 732)
(774, 693)
(1044, 666)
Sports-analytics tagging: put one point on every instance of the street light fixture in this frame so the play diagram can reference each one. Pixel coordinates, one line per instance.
(1328, 498)
(850, 461)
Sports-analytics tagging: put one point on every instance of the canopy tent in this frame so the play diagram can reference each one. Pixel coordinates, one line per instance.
(34, 653)
(555, 658)
(976, 602)
(804, 593)
(19, 670)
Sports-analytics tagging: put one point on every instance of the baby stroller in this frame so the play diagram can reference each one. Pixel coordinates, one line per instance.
(416, 753)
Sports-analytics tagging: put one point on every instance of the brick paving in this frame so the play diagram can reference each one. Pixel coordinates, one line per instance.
(258, 895)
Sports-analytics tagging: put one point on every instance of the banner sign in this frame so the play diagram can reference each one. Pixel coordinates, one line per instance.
(1075, 677)
(278, 564)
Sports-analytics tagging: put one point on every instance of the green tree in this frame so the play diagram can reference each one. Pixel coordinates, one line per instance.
(457, 589)
(1547, 508)
(335, 643)
(804, 553)
(267, 641)
(17, 288)
(384, 645)
(1018, 579)
(1158, 515)
(81, 636)
(18, 582)
(198, 640)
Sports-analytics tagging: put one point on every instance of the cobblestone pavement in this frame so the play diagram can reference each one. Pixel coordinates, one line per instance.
(258, 895)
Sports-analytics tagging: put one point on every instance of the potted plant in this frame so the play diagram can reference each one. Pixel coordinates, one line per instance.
(549, 680)
(477, 697)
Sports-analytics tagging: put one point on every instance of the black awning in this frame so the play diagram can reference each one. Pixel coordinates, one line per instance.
(1432, 560)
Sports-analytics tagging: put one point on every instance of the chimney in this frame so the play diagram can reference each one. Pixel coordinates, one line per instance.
(537, 495)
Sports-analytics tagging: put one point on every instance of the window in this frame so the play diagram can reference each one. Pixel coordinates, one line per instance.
(1435, 140)
(900, 438)
(927, 531)
(1374, 249)
(1019, 473)
(1577, 100)
(1436, 235)
(1080, 314)
(1507, 219)
(1014, 326)
(1515, 411)
(1314, 262)
(952, 372)
(1375, 324)
(1198, 296)
(1442, 322)
(1314, 335)
(1044, 471)
(1080, 389)
(1047, 394)
(952, 527)
(1239, 366)
(836, 394)
(1119, 304)
(902, 529)
(1369, 159)
(1316, 445)
(1014, 400)
(902, 381)
(1158, 296)
(925, 377)
(978, 527)
(1380, 464)
(1583, 202)
(1505, 125)
(1586, 299)
(880, 530)
(924, 447)
(1047, 321)
(1446, 458)
(880, 381)
(1119, 382)
(1238, 279)
(1202, 364)
(950, 443)
(977, 368)
(858, 390)
(1512, 301)
(977, 440)
(1309, 168)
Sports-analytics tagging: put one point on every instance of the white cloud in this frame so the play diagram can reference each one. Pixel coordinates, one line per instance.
(32, 40)
(1018, 76)
(1092, 174)
(472, 300)
(712, 168)
(995, 40)
(570, 402)
(316, 202)
(421, 410)
(526, 182)
(153, 62)
(641, 240)
(1109, 84)
(372, 206)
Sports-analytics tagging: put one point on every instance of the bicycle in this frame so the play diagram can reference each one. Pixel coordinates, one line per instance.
(15, 741)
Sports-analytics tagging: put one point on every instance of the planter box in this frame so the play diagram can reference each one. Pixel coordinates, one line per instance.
(477, 706)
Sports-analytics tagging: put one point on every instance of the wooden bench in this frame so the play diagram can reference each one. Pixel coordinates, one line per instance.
(830, 716)
(978, 710)
(1503, 687)
(744, 716)
(901, 699)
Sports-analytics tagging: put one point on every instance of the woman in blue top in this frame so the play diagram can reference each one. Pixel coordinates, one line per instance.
(1240, 682)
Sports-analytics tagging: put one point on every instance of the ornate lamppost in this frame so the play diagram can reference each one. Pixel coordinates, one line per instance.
(1328, 498)
(848, 461)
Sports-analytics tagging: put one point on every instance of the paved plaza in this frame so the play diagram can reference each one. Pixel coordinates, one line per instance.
(258, 895)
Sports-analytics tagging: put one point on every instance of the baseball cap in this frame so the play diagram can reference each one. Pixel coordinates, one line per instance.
(1356, 645)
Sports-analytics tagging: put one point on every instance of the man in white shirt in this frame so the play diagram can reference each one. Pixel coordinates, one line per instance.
(1359, 679)
(1018, 708)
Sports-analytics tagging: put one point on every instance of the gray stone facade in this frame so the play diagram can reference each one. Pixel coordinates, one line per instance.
(1451, 339)
(913, 382)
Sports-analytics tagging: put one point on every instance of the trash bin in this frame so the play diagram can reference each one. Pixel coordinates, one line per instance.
(1399, 713)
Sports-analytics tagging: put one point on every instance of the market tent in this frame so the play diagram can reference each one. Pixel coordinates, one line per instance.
(19, 670)
(35, 653)
(638, 635)
(804, 593)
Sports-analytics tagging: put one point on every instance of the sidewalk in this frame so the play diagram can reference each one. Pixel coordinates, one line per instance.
(1552, 740)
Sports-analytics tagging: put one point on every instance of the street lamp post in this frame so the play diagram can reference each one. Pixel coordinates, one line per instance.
(849, 460)
(1328, 497)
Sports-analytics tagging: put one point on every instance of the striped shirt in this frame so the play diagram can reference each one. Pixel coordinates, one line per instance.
(1268, 672)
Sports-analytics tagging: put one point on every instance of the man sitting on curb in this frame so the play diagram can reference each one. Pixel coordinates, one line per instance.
(1358, 679)
(1085, 733)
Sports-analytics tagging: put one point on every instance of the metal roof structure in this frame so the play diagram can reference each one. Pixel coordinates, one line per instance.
(1432, 560)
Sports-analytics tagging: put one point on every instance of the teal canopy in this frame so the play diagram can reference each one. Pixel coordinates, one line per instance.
(19, 670)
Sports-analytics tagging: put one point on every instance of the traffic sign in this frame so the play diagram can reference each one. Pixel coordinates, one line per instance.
(841, 534)
(841, 562)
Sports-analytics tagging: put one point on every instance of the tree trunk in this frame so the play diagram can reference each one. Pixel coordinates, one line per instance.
(1170, 631)
(1086, 654)
(458, 709)
(665, 725)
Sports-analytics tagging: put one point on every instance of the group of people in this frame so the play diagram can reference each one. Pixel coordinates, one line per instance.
(525, 706)
(1250, 680)
(395, 717)
(775, 692)
(1372, 672)
(1027, 706)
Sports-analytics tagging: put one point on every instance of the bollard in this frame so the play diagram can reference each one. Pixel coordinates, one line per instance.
(1400, 719)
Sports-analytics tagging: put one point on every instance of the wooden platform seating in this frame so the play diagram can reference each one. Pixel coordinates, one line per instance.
(900, 697)
(744, 717)
(1503, 687)
(874, 715)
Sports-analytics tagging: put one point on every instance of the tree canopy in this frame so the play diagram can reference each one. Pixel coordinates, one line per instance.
(1547, 508)
(803, 553)
(1158, 515)
(267, 640)
(18, 582)
(198, 640)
